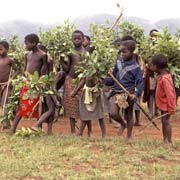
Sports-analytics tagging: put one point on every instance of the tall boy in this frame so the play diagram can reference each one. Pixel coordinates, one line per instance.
(35, 60)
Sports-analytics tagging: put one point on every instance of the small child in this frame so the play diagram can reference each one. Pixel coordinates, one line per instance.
(6, 66)
(90, 106)
(165, 94)
(128, 73)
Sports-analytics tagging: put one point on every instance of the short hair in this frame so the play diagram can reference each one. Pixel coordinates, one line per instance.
(42, 47)
(32, 38)
(129, 44)
(78, 31)
(87, 37)
(153, 30)
(160, 61)
(128, 37)
(5, 44)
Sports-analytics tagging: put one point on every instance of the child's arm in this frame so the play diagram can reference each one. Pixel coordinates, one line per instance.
(139, 82)
(109, 81)
(80, 86)
(169, 90)
(56, 102)
(45, 65)
(25, 63)
(65, 64)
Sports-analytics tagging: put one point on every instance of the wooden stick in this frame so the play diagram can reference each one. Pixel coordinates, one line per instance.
(6, 94)
(126, 91)
(33, 109)
(117, 19)
(148, 124)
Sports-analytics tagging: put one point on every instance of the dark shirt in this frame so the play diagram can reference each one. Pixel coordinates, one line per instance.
(129, 74)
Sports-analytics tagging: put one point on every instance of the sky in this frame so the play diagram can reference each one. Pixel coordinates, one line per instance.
(52, 11)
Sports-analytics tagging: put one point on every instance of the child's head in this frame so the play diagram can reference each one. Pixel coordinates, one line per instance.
(87, 41)
(153, 32)
(127, 49)
(77, 38)
(159, 62)
(31, 41)
(4, 47)
(127, 37)
(42, 47)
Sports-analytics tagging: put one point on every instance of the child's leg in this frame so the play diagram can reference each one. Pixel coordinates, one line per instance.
(15, 124)
(166, 128)
(103, 127)
(82, 126)
(151, 104)
(128, 115)
(47, 114)
(89, 126)
(110, 119)
(50, 124)
(72, 125)
(137, 118)
(114, 112)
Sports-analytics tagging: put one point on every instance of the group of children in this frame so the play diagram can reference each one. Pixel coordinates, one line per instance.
(85, 100)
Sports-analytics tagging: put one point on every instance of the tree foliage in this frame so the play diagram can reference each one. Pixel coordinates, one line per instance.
(58, 40)
(102, 59)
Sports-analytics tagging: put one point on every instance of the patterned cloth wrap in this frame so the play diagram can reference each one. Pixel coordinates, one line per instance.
(28, 107)
(121, 100)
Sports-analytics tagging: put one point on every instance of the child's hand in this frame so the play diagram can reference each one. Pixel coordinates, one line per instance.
(73, 94)
(133, 97)
(57, 104)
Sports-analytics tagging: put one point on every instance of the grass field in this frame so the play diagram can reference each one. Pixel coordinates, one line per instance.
(73, 158)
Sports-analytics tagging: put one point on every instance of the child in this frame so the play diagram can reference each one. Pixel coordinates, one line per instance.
(139, 60)
(49, 105)
(35, 60)
(149, 90)
(129, 74)
(71, 104)
(6, 66)
(165, 94)
(50, 101)
(87, 44)
(91, 105)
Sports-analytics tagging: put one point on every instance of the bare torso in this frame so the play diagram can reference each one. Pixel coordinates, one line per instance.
(5, 65)
(74, 58)
(34, 61)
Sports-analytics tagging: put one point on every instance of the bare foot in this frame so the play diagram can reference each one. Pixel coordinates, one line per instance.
(121, 130)
(35, 129)
(129, 140)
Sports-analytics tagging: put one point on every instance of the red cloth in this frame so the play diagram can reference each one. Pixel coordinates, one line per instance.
(165, 94)
(27, 105)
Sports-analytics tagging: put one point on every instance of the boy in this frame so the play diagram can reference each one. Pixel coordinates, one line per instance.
(165, 94)
(35, 60)
(50, 101)
(6, 66)
(87, 44)
(129, 74)
(71, 104)
(139, 60)
(50, 104)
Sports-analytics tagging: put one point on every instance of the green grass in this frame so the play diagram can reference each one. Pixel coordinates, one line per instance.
(73, 158)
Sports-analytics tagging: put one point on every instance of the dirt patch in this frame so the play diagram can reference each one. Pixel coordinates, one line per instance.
(63, 127)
